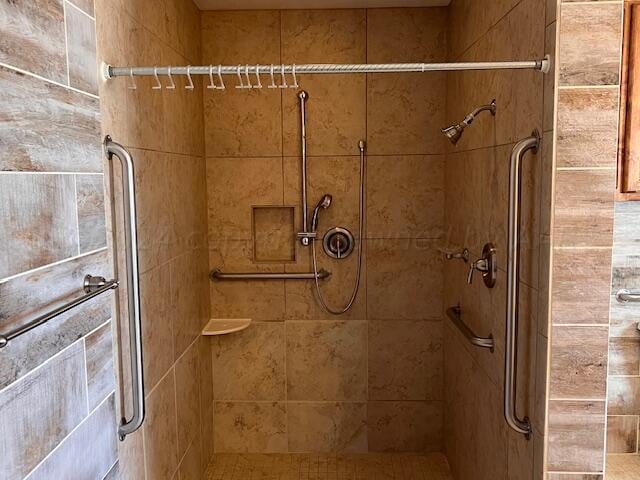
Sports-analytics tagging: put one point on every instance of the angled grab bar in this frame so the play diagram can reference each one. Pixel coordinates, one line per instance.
(455, 315)
(133, 283)
(532, 143)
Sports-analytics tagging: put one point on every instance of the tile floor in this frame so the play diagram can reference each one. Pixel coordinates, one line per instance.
(328, 467)
(623, 467)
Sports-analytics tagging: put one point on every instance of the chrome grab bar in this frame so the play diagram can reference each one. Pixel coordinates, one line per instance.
(532, 143)
(133, 284)
(218, 275)
(455, 314)
(626, 296)
(93, 286)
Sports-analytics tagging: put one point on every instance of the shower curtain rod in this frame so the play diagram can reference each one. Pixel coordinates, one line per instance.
(110, 72)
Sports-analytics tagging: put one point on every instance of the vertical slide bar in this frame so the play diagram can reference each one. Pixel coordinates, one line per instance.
(522, 426)
(133, 286)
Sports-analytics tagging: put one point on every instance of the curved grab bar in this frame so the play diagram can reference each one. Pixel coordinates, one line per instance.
(532, 143)
(455, 315)
(133, 285)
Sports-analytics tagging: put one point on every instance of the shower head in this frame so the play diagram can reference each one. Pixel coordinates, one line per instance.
(454, 132)
(324, 203)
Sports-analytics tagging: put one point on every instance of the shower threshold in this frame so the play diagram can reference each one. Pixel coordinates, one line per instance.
(307, 466)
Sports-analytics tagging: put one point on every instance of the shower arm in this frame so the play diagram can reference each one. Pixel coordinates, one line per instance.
(472, 116)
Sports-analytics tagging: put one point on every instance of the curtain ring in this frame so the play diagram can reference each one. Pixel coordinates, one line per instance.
(259, 85)
(246, 74)
(172, 84)
(221, 87)
(158, 85)
(295, 78)
(284, 79)
(273, 81)
(190, 86)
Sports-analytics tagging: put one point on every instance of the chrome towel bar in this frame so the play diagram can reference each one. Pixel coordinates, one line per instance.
(93, 286)
(112, 148)
(218, 275)
(626, 296)
(532, 143)
(455, 315)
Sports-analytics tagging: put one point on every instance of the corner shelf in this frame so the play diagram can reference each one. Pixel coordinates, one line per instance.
(223, 326)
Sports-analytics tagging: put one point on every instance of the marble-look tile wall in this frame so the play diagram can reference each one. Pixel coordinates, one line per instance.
(163, 131)
(477, 440)
(299, 379)
(56, 382)
(587, 88)
(624, 337)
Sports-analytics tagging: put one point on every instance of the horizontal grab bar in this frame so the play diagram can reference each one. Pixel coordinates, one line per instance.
(93, 286)
(218, 275)
(626, 296)
(455, 314)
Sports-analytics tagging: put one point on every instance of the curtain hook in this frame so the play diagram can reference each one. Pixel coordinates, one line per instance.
(211, 85)
(239, 77)
(284, 79)
(133, 85)
(259, 85)
(221, 87)
(295, 78)
(246, 74)
(273, 81)
(172, 85)
(158, 85)
(190, 86)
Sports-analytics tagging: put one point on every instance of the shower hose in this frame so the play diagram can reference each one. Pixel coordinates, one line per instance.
(354, 293)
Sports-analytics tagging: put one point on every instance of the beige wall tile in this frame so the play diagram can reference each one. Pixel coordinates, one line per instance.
(405, 196)
(576, 436)
(233, 116)
(622, 434)
(258, 300)
(598, 25)
(406, 35)
(157, 341)
(578, 362)
(315, 372)
(234, 186)
(324, 36)
(81, 44)
(250, 427)
(551, 11)
(190, 468)
(405, 426)
(405, 113)
(397, 287)
(250, 365)
(274, 234)
(405, 360)
(587, 127)
(160, 430)
(578, 292)
(336, 115)
(187, 372)
(327, 427)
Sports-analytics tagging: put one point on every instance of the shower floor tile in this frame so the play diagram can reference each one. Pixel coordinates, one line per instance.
(372, 466)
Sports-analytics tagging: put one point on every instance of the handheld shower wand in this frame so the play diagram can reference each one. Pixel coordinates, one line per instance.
(324, 203)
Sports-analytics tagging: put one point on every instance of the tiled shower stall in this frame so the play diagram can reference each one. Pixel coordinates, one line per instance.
(218, 187)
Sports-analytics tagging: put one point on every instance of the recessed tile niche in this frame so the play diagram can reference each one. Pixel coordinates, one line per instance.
(273, 234)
